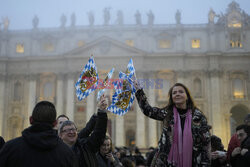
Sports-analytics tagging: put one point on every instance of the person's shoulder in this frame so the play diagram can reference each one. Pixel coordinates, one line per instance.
(15, 141)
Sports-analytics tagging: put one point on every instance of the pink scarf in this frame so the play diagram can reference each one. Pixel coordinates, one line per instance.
(181, 150)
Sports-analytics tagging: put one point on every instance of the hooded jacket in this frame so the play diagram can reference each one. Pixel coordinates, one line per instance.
(39, 146)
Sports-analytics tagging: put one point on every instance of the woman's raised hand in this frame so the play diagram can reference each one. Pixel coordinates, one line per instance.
(102, 103)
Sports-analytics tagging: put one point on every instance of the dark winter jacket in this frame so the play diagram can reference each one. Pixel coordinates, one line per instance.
(87, 147)
(1, 142)
(242, 160)
(104, 162)
(39, 146)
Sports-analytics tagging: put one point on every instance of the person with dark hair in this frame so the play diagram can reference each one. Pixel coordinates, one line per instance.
(139, 159)
(86, 146)
(126, 162)
(218, 154)
(234, 142)
(105, 156)
(240, 156)
(185, 139)
(60, 119)
(39, 145)
(1, 142)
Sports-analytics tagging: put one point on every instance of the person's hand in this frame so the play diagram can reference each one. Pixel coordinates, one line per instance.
(110, 157)
(136, 84)
(102, 103)
(236, 151)
(214, 155)
(243, 151)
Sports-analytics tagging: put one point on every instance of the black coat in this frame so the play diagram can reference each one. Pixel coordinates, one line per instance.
(1, 142)
(39, 146)
(242, 160)
(86, 146)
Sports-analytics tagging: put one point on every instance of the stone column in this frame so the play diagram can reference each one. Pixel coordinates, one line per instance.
(90, 106)
(32, 99)
(70, 96)
(119, 131)
(2, 97)
(59, 94)
(215, 102)
(152, 124)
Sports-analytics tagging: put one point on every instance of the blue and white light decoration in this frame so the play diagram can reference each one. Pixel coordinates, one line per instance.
(124, 95)
(88, 80)
(105, 84)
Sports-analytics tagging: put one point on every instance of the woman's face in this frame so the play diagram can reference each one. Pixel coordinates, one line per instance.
(179, 96)
(105, 147)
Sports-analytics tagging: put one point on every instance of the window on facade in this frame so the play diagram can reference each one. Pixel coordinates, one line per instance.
(238, 89)
(164, 43)
(129, 42)
(80, 43)
(49, 47)
(235, 40)
(196, 43)
(19, 48)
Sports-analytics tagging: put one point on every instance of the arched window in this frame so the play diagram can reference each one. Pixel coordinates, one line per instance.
(238, 89)
(48, 88)
(197, 88)
(130, 137)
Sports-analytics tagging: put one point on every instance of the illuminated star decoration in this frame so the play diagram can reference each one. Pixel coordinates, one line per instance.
(124, 95)
(105, 84)
(87, 81)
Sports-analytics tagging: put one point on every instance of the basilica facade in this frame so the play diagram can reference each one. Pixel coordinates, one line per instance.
(212, 60)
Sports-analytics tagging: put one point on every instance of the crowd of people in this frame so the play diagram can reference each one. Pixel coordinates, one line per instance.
(185, 140)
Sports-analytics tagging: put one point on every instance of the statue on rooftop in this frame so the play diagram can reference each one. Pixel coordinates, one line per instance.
(178, 17)
(91, 18)
(151, 18)
(138, 18)
(73, 20)
(211, 16)
(6, 23)
(35, 22)
(63, 21)
(119, 19)
(106, 15)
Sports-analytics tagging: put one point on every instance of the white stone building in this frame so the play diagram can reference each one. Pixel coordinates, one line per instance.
(212, 59)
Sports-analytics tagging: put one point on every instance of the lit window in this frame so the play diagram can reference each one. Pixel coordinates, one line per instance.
(238, 89)
(235, 40)
(49, 47)
(20, 48)
(80, 43)
(196, 43)
(130, 42)
(164, 43)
